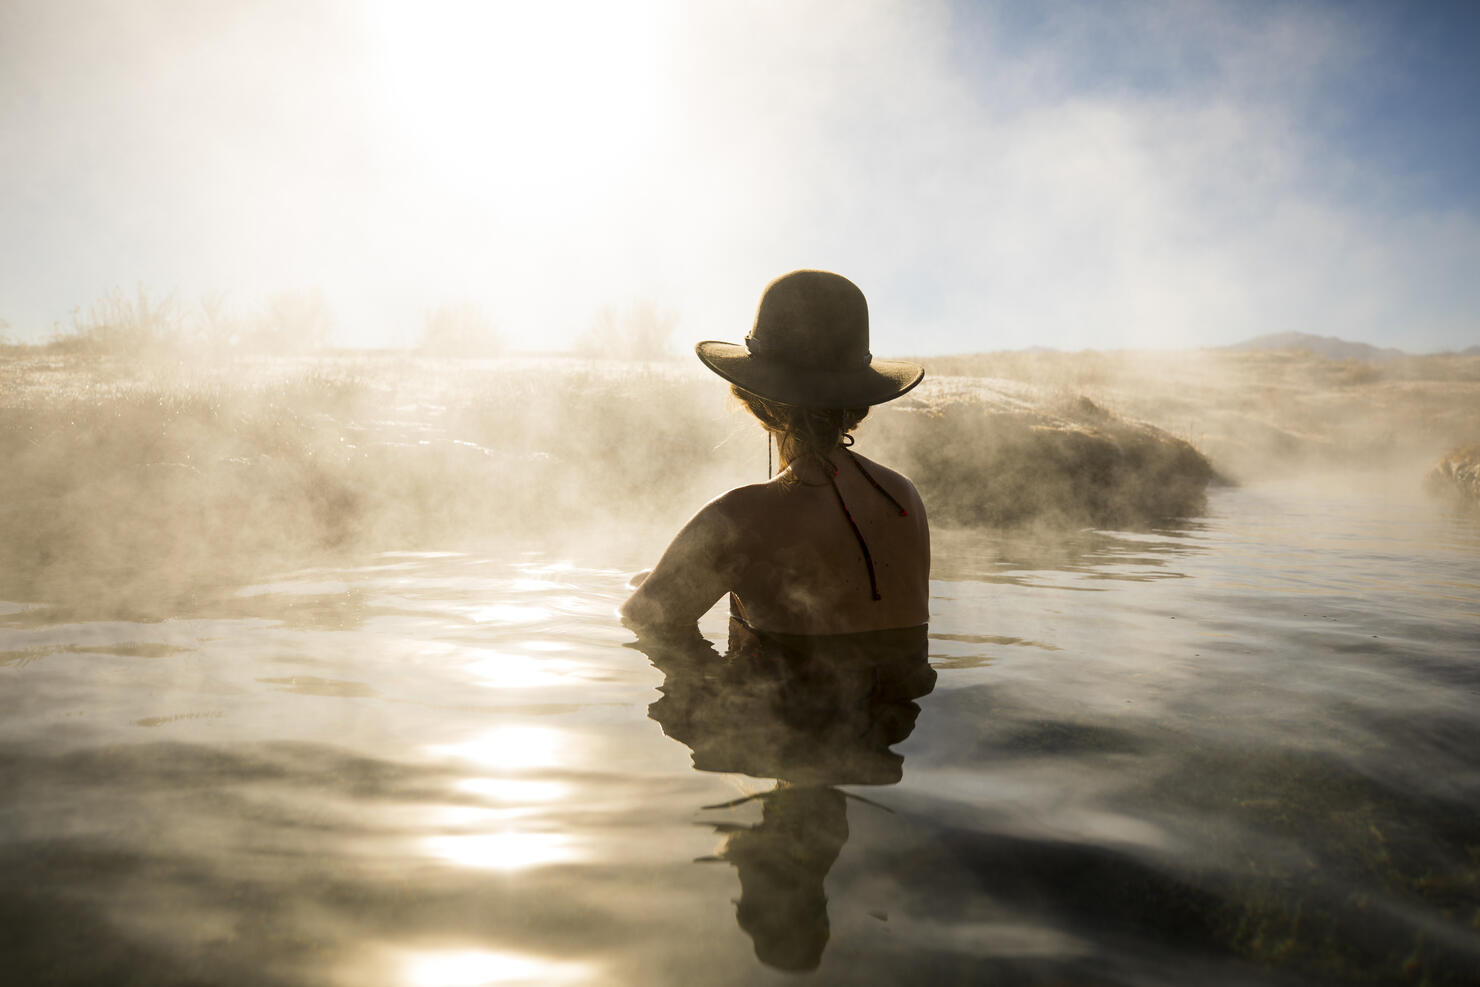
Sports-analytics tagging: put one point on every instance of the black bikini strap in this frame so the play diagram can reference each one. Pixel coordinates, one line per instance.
(868, 559)
(876, 485)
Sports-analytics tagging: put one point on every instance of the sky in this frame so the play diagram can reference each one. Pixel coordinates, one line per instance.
(994, 175)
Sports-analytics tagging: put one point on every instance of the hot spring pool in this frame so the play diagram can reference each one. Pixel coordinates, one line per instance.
(1242, 750)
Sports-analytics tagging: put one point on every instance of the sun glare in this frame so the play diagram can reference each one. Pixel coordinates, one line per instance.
(514, 790)
(506, 850)
(510, 748)
(526, 106)
(508, 613)
(507, 670)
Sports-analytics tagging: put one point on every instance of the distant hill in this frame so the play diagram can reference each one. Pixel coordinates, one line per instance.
(1327, 346)
(1470, 351)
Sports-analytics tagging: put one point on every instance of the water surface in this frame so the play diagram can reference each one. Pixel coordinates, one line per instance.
(1244, 749)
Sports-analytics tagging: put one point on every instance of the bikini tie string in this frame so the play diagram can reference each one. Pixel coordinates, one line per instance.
(876, 485)
(868, 558)
(831, 473)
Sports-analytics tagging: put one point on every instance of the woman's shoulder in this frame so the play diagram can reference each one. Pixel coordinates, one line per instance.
(735, 508)
(901, 486)
(749, 516)
(744, 504)
(880, 470)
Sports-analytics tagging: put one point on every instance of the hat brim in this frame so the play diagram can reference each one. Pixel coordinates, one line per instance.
(880, 381)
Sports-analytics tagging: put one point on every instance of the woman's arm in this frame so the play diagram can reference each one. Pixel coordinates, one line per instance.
(698, 567)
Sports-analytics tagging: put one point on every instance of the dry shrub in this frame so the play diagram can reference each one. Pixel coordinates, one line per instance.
(123, 323)
(460, 329)
(143, 328)
(639, 331)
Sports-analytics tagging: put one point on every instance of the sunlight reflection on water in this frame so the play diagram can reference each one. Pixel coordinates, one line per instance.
(466, 967)
(503, 850)
(511, 747)
(508, 613)
(508, 670)
(439, 768)
(514, 789)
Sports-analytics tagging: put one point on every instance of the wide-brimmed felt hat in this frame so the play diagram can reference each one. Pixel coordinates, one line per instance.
(809, 347)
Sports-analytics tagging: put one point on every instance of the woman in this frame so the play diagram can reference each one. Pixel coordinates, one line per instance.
(832, 544)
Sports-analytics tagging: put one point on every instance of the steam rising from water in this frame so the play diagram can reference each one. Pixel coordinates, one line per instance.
(138, 487)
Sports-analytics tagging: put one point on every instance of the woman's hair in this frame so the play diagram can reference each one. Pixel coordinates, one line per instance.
(801, 431)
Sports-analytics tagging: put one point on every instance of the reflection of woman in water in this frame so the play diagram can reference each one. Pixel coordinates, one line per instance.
(834, 543)
(813, 712)
(827, 565)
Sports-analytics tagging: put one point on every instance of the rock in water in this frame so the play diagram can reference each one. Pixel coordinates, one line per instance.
(998, 458)
(1457, 476)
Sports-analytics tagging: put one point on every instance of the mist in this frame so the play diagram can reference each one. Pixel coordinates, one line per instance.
(151, 473)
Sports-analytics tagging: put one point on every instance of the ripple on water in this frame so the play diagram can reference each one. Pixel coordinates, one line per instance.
(1240, 750)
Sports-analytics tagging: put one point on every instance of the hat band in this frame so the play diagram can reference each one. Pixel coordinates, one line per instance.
(770, 350)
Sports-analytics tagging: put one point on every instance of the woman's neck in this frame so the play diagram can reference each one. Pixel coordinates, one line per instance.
(809, 469)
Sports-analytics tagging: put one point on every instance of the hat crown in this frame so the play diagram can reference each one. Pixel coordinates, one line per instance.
(812, 319)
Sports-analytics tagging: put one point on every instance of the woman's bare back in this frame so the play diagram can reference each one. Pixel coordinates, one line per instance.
(807, 570)
(785, 548)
